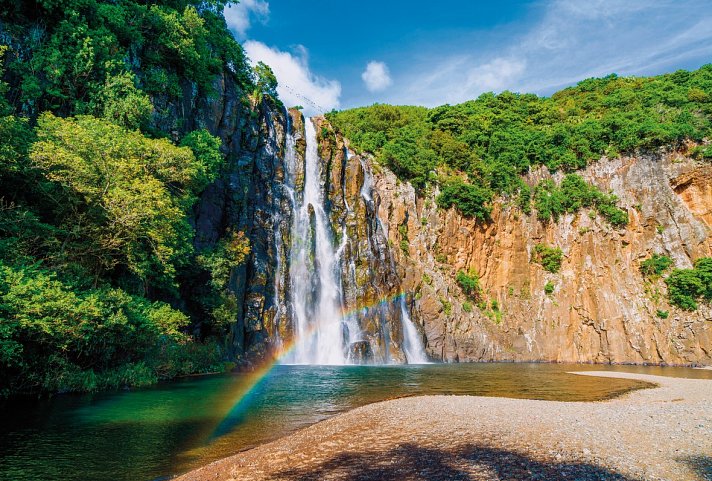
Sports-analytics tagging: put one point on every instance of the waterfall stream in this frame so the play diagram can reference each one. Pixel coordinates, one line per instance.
(314, 270)
(322, 333)
(412, 343)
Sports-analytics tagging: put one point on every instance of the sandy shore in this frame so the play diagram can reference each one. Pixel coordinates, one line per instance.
(663, 433)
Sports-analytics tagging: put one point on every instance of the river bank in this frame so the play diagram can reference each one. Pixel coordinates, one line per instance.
(664, 433)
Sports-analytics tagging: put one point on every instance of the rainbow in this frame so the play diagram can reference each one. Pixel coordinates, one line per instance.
(240, 399)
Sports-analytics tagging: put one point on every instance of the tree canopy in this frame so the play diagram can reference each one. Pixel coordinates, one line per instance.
(491, 141)
(95, 199)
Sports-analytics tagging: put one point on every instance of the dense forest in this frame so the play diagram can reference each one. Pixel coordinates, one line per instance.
(480, 149)
(95, 198)
(97, 187)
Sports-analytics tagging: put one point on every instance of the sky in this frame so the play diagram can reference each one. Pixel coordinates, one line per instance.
(330, 54)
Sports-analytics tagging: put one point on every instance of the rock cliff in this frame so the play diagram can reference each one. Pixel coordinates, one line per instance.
(248, 196)
(393, 242)
(601, 309)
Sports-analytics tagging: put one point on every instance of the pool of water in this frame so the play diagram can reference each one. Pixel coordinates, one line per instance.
(171, 428)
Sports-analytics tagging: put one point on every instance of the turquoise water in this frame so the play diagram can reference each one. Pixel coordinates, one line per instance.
(169, 429)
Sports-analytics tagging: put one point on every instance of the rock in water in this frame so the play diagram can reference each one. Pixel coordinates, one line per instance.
(360, 352)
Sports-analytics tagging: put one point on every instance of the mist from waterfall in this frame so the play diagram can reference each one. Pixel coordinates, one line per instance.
(412, 342)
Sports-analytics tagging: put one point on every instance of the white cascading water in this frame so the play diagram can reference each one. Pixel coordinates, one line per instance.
(412, 343)
(367, 183)
(315, 274)
(322, 333)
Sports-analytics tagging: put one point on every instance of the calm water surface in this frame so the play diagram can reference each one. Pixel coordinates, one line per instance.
(169, 429)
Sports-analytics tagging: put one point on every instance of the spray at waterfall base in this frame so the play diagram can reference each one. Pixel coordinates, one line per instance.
(279, 355)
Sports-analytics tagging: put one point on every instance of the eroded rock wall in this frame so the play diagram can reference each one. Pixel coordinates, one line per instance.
(601, 309)
(249, 197)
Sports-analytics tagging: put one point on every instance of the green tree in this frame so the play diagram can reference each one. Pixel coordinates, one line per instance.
(123, 195)
(124, 104)
(266, 81)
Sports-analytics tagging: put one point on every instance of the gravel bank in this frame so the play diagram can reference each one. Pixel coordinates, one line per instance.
(663, 433)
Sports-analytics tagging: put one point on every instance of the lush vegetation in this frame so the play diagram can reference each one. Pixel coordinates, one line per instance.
(549, 257)
(574, 193)
(686, 287)
(481, 148)
(60, 336)
(469, 282)
(82, 56)
(95, 238)
(655, 266)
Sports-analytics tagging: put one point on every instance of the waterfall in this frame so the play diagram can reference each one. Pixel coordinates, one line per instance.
(322, 332)
(315, 270)
(367, 183)
(412, 342)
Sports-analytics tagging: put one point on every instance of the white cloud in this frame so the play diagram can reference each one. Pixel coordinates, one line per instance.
(376, 76)
(494, 75)
(570, 41)
(298, 85)
(460, 78)
(239, 16)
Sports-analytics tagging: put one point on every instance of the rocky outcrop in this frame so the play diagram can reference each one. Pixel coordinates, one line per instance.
(247, 197)
(393, 243)
(601, 308)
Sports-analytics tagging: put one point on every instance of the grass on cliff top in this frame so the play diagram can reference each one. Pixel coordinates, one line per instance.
(485, 145)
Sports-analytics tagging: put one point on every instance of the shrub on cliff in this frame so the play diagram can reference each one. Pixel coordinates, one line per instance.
(686, 287)
(574, 193)
(470, 200)
(655, 266)
(469, 283)
(549, 257)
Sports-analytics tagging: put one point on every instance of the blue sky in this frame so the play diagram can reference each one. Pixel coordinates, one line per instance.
(346, 54)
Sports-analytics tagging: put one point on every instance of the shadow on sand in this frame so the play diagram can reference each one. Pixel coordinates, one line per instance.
(467, 463)
(702, 465)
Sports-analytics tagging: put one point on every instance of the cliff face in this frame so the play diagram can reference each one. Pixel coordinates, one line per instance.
(248, 196)
(392, 242)
(601, 310)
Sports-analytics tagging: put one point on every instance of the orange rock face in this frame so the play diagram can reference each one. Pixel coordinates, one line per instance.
(601, 309)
